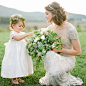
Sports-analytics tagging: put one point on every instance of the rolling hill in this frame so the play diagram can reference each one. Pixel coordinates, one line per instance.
(32, 16)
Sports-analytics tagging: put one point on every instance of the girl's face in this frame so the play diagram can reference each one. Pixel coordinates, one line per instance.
(18, 27)
(48, 15)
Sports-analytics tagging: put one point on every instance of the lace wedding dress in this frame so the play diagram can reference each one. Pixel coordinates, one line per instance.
(58, 66)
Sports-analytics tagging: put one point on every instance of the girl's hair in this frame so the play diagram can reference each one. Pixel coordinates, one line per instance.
(58, 11)
(14, 19)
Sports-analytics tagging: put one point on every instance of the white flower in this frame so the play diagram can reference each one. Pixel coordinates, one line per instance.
(30, 45)
(53, 45)
(37, 51)
(43, 30)
(33, 43)
(46, 32)
(44, 51)
(36, 39)
(43, 37)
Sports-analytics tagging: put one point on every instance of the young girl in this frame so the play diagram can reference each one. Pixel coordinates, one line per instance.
(16, 62)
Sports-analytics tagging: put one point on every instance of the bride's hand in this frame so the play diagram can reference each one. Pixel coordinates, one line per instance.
(55, 50)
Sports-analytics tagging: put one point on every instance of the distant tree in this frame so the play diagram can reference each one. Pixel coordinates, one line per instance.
(4, 20)
(79, 28)
(35, 27)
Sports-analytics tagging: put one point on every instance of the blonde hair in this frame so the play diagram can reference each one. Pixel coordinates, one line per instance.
(14, 19)
(58, 11)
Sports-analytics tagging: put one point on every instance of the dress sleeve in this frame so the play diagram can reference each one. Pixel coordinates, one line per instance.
(12, 34)
(22, 33)
(73, 33)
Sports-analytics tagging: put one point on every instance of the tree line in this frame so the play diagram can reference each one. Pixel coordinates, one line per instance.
(4, 20)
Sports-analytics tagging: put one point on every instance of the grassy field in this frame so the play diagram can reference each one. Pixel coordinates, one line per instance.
(28, 25)
(32, 80)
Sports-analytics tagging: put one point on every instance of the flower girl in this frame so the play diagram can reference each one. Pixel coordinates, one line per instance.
(16, 62)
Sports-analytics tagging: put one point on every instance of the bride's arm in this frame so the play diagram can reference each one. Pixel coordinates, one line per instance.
(76, 51)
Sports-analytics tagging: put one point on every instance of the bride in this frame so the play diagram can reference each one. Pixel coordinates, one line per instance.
(58, 66)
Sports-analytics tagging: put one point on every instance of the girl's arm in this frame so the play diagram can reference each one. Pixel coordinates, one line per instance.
(76, 51)
(18, 38)
(26, 39)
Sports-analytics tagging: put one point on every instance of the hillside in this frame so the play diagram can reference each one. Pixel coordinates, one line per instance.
(39, 16)
(7, 12)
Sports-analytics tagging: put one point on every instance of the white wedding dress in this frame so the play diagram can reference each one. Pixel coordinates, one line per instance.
(16, 61)
(58, 66)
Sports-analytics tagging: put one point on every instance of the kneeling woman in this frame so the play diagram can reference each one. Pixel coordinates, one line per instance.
(59, 66)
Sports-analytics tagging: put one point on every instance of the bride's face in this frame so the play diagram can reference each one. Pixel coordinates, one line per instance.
(48, 15)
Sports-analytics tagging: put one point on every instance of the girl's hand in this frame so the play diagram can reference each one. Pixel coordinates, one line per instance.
(31, 34)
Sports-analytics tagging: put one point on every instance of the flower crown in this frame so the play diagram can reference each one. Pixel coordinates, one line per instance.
(13, 19)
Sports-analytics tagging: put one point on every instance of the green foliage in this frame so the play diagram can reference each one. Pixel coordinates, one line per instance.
(32, 80)
(4, 20)
(16, 19)
(43, 41)
(35, 27)
(3, 30)
(79, 28)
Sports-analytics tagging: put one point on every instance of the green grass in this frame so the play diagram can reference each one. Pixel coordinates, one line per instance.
(32, 80)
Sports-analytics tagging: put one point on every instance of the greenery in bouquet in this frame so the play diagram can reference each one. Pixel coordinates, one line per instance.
(43, 41)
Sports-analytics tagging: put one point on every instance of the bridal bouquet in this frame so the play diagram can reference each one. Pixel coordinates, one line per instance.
(43, 41)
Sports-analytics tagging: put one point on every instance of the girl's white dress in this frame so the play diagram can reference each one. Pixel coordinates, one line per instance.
(58, 66)
(16, 61)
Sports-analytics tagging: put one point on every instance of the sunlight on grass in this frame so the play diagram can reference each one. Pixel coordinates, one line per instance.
(32, 80)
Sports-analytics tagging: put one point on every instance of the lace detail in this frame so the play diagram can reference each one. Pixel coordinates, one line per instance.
(58, 66)
(72, 33)
(58, 71)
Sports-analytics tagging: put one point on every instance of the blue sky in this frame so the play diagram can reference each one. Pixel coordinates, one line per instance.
(72, 6)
